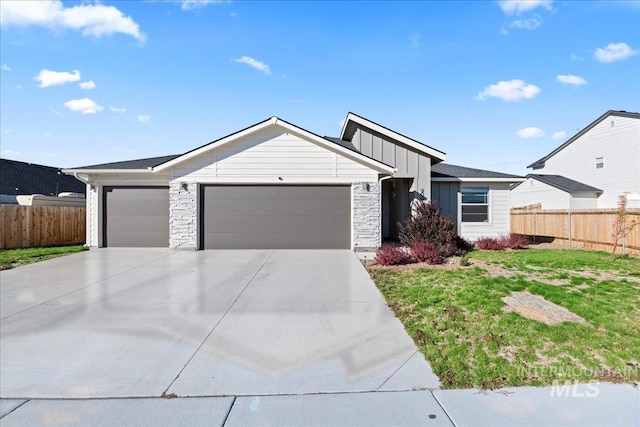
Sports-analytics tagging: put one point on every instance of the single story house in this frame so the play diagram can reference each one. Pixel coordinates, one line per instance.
(21, 178)
(276, 185)
(591, 170)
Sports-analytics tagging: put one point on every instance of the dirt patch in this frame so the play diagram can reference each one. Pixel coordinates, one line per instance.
(537, 308)
(450, 263)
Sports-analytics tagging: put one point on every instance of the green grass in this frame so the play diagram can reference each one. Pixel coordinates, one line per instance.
(10, 258)
(456, 318)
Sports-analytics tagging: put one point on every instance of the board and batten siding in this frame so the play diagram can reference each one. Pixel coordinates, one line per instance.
(273, 156)
(498, 213)
(617, 140)
(445, 194)
(409, 162)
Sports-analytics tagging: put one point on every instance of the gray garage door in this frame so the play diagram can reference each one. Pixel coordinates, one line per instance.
(136, 217)
(276, 217)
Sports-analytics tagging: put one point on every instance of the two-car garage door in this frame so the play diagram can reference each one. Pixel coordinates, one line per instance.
(235, 217)
(276, 217)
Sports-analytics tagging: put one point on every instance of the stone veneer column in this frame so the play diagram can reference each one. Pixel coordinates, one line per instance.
(367, 221)
(183, 216)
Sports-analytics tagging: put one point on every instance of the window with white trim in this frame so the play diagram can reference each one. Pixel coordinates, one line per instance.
(599, 162)
(475, 204)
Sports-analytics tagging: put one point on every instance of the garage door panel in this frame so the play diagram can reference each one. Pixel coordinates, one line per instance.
(146, 224)
(276, 217)
(136, 217)
(138, 207)
(138, 239)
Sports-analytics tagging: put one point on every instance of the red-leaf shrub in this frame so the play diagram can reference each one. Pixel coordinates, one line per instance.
(425, 252)
(391, 255)
(515, 241)
(490, 244)
(428, 225)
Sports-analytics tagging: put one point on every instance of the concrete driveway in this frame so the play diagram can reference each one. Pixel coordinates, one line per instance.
(143, 322)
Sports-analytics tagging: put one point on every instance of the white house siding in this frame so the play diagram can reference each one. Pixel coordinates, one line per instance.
(408, 161)
(498, 213)
(532, 192)
(273, 156)
(617, 140)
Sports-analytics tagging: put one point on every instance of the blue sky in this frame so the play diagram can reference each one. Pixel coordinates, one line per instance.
(495, 85)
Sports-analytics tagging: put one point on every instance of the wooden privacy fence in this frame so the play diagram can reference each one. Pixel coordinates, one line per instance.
(36, 226)
(590, 229)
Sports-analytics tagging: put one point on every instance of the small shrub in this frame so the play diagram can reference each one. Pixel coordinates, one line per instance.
(425, 252)
(428, 225)
(391, 255)
(464, 261)
(490, 244)
(515, 241)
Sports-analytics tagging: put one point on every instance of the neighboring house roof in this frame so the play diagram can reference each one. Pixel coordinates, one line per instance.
(345, 144)
(157, 164)
(29, 178)
(133, 164)
(538, 164)
(562, 183)
(447, 172)
(350, 126)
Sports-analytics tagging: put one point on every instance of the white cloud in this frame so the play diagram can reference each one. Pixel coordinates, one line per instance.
(5, 67)
(143, 118)
(517, 7)
(575, 57)
(530, 133)
(117, 109)
(84, 106)
(614, 52)
(570, 79)
(87, 85)
(341, 123)
(92, 19)
(559, 135)
(512, 90)
(198, 4)
(11, 153)
(17, 87)
(53, 78)
(525, 24)
(258, 65)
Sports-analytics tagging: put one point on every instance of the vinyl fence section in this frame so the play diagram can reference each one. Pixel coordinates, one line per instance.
(37, 226)
(589, 229)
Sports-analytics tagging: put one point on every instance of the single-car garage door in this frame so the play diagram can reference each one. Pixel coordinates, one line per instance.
(276, 217)
(136, 217)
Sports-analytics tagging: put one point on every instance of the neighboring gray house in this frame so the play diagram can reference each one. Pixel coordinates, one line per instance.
(271, 185)
(589, 171)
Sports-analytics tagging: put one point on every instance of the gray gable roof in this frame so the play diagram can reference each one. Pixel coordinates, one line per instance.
(346, 144)
(133, 164)
(564, 184)
(29, 178)
(538, 164)
(445, 170)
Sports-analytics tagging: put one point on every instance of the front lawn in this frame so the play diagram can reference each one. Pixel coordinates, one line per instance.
(10, 258)
(456, 318)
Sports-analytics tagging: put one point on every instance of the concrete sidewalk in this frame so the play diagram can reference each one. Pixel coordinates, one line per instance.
(581, 405)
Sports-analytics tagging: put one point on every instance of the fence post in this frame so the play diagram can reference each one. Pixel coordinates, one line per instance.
(569, 217)
(624, 235)
(534, 226)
